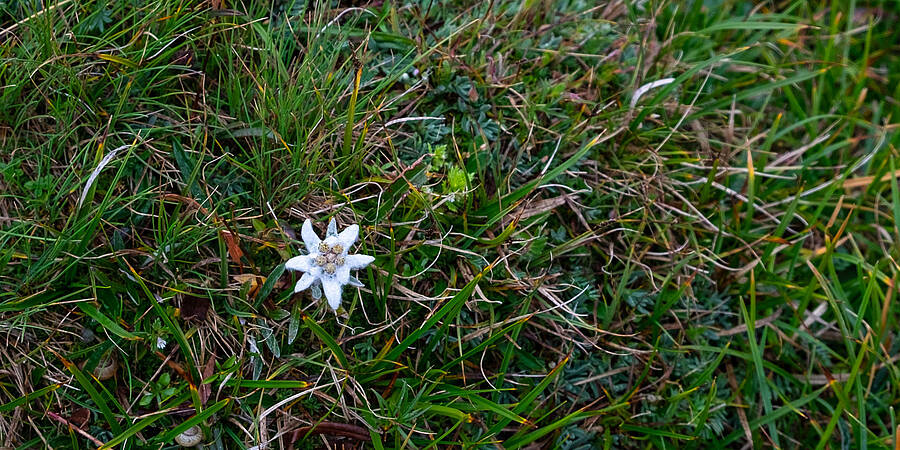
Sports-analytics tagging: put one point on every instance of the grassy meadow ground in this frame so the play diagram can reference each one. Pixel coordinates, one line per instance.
(595, 224)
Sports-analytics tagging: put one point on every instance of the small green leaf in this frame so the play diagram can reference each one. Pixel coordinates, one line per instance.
(294, 324)
(269, 284)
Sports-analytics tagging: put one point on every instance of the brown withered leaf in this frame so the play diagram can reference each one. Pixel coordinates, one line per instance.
(205, 390)
(194, 308)
(234, 248)
(80, 417)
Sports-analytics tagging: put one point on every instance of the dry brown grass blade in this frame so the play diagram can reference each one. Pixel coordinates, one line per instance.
(862, 182)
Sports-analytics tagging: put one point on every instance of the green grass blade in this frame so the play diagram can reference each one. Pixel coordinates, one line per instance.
(329, 342)
(107, 323)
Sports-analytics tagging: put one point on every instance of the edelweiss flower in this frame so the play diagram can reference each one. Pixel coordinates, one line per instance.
(328, 263)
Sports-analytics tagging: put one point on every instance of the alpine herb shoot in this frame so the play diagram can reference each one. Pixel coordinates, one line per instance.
(327, 266)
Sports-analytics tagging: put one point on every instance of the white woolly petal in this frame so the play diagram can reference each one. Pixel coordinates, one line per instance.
(305, 281)
(353, 281)
(302, 263)
(342, 275)
(332, 292)
(310, 239)
(332, 228)
(357, 261)
(316, 290)
(348, 236)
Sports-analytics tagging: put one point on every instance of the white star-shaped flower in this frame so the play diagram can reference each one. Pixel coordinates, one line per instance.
(328, 263)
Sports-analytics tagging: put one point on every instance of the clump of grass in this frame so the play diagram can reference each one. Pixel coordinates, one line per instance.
(622, 225)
